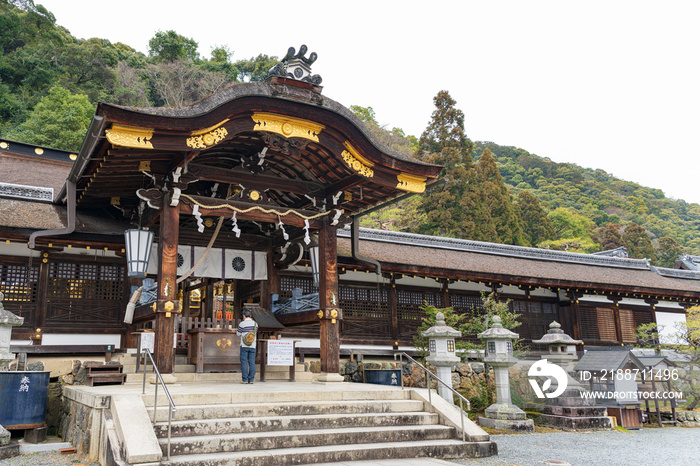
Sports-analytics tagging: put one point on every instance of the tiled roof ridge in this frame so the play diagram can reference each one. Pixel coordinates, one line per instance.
(271, 90)
(677, 273)
(414, 239)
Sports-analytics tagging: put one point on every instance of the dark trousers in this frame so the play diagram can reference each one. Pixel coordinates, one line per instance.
(247, 363)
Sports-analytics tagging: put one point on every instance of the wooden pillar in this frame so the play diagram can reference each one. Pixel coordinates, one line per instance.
(42, 292)
(394, 311)
(328, 299)
(618, 324)
(167, 287)
(273, 283)
(445, 293)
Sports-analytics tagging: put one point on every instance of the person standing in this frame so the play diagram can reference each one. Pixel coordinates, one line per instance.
(248, 331)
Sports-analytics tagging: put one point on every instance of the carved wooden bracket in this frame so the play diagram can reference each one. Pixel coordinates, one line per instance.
(154, 197)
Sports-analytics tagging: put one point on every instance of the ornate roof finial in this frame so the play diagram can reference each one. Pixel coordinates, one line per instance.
(297, 66)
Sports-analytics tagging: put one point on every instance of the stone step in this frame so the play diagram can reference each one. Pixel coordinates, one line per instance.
(177, 368)
(295, 408)
(336, 453)
(577, 400)
(575, 423)
(575, 411)
(130, 358)
(230, 377)
(256, 395)
(222, 426)
(255, 441)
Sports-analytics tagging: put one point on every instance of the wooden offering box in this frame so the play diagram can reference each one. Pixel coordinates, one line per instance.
(214, 350)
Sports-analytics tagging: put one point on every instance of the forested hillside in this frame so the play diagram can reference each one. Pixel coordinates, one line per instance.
(50, 83)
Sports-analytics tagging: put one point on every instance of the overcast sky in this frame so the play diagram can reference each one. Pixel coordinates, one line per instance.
(603, 84)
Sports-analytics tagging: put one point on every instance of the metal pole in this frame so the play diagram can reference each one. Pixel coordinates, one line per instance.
(427, 384)
(170, 418)
(461, 408)
(145, 363)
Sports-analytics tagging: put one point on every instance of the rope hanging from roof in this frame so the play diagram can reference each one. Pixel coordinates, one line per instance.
(263, 210)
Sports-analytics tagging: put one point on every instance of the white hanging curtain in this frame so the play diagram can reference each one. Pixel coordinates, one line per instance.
(219, 263)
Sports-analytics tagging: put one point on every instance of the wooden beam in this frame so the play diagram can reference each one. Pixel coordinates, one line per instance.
(221, 175)
(269, 215)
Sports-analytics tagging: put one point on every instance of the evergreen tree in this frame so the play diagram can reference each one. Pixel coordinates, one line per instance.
(667, 252)
(501, 215)
(536, 225)
(638, 242)
(610, 237)
(450, 210)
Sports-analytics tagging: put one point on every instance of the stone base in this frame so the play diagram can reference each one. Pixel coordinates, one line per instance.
(35, 435)
(576, 423)
(505, 411)
(515, 425)
(325, 377)
(506, 417)
(9, 450)
(5, 436)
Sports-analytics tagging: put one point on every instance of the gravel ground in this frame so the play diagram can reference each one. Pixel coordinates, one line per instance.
(672, 446)
(52, 458)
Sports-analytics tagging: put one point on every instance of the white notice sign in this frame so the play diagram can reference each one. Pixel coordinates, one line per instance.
(147, 341)
(280, 353)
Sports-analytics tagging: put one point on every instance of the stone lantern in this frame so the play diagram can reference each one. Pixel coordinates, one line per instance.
(562, 348)
(499, 355)
(7, 321)
(442, 353)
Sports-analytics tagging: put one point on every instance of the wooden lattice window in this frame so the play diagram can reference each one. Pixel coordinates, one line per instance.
(69, 280)
(589, 323)
(466, 304)
(290, 282)
(18, 282)
(84, 294)
(408, 308)
(627, 326)
(364, 302)
(606, 324)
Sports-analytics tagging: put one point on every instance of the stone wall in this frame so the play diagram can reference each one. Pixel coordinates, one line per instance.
(469, 378)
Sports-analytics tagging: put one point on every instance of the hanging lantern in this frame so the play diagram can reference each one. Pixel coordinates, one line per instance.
(313, 254)
(138, 251)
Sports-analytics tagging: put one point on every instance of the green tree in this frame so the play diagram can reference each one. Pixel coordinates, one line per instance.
(470, 324)
(667, 252)
(446, 128)
(59, 120)
(453, 209)
(169, 46)
(89, 68)
(255, 69)
(497, 203)
(638, 242)
(537, 227)
(684, 339)
(610, 237)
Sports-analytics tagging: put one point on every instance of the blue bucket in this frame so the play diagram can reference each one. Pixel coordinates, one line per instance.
(23, 397)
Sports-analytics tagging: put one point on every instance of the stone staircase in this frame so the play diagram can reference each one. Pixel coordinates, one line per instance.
(305, 427)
